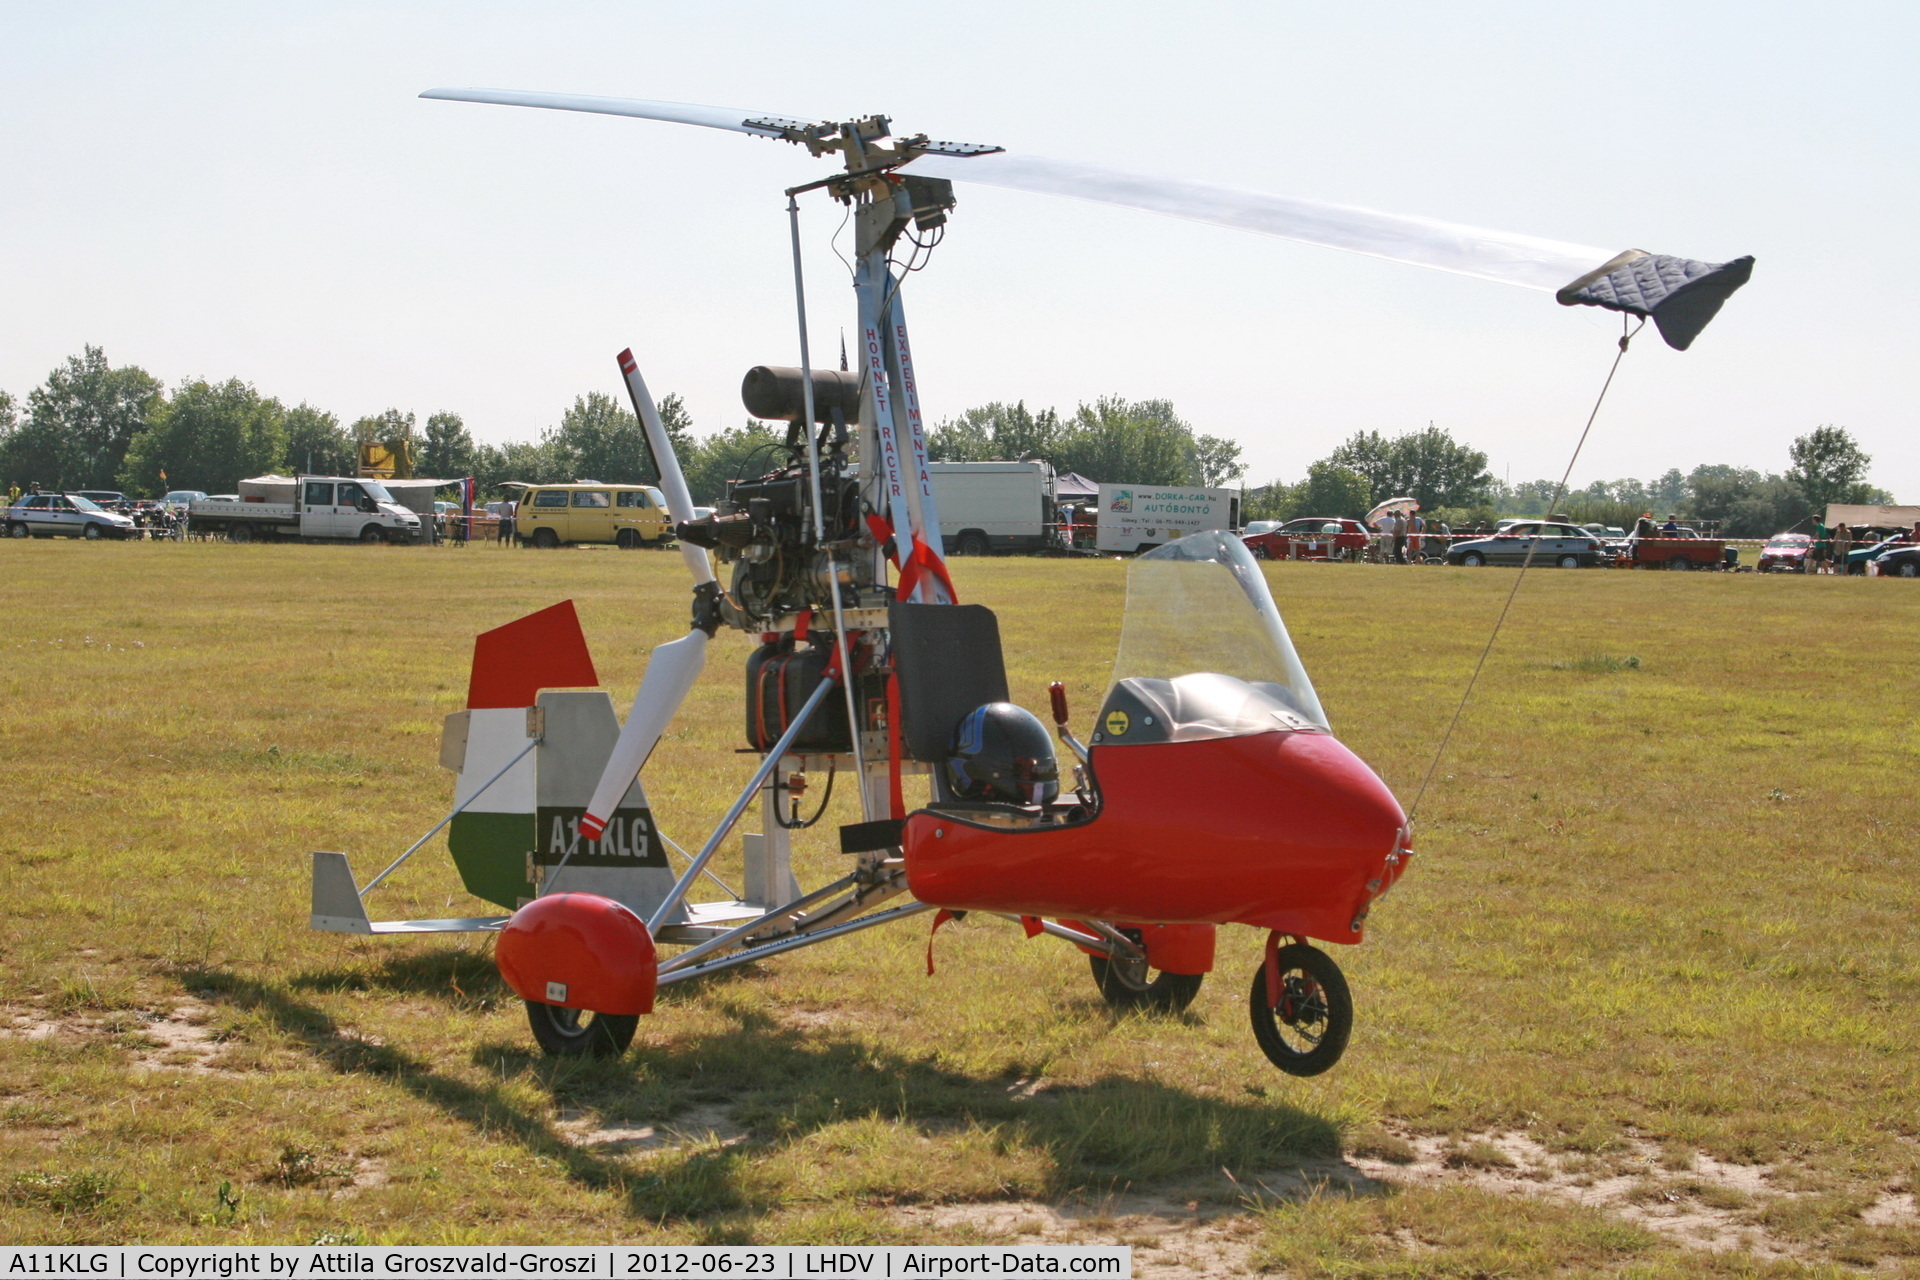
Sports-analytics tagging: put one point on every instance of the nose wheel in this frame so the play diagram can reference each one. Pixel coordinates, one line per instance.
(1304, 1025)
(1130, 984)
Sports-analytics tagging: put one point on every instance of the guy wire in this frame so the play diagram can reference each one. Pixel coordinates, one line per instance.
(1532, 547)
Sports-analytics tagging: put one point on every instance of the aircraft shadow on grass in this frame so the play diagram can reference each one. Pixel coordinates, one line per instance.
(783, 1084)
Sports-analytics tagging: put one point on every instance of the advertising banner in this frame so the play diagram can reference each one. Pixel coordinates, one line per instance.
(1134, 516)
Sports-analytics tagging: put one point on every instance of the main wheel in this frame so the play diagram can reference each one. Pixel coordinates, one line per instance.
(16, 531)
(1305, 1030)
(1569, 562)
(372, 534)
(1680, 563)
(1905, 569)
(1260, 552)
(545, 539)
(1129, 984)
(627, 539)
(92, 532)
(569, 1033)
(1473, 559)
(240, 533)
(972, 544)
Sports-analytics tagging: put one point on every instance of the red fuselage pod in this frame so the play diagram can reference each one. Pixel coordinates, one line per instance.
(579, 951)
(1287, 830)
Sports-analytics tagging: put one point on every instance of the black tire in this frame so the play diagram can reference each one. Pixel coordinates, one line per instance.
(372, 534)
(1473, 560)
(1260, 552)
(972, 543)
(1680, 564)
(627, 539)
(1569, 562)
(1130, 987)
(1311, 1034)
(1905, 569)
(570, 1033)
(240, 533)
(92, 532)
(17, 530)
(545, 539)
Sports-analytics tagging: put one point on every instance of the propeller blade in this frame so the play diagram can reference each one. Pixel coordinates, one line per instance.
(1491, 255)
(672, 668)
(758, 123)
(673, 482)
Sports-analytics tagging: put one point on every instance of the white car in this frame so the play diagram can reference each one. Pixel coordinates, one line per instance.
(42, 515)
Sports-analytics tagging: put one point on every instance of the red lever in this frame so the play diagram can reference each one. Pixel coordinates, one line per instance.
(1058, 692)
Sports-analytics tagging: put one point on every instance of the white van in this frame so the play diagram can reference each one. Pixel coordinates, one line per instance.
(993, 506)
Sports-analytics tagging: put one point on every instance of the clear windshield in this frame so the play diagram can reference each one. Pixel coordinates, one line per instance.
(1201, 605)
(376, 491)
(85, 504)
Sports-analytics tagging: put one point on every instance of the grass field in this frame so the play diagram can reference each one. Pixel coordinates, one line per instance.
(1644, 1004)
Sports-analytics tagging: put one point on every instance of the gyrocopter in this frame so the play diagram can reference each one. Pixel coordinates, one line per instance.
(1211, 789)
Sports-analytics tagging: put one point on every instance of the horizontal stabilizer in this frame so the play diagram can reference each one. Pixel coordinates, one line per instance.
(337, 907)
(1678, 294)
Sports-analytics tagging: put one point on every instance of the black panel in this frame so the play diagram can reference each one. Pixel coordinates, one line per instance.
(868, 837)
(949, 661)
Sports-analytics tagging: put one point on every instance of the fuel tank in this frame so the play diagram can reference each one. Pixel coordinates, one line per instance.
(1281, 830)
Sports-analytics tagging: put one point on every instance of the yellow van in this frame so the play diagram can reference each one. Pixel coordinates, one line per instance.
(628, 515)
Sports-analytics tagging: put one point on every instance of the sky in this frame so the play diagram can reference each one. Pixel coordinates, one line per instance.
(255, 191)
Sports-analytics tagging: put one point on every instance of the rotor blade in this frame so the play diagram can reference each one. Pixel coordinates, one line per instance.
(1491, 255)
(732, 118)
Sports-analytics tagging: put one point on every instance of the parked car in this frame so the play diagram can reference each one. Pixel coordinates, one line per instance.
(1349, 538)
(1564, 546)
(181, 499)
(1858, 557)
(1785, 553)
(42, 515)
(1900, 562)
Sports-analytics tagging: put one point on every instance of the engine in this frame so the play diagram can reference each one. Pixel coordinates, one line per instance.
(764, 527)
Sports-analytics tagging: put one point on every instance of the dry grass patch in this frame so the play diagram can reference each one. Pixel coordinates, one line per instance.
(1659, 913)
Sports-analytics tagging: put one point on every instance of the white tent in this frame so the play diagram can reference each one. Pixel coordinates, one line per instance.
(1854, 515)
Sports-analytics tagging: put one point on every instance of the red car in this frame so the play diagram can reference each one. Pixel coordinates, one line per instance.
(1785, 553)
(1315, 543)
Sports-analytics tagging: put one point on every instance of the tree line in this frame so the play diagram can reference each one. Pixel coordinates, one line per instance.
(92, 425)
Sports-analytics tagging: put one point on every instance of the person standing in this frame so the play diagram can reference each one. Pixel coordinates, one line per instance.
(1842, 544)
(1415, 535)
(1399, 530)
(1820, 548)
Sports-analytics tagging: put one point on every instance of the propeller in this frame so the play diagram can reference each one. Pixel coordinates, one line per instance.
(1679, 294)
(673, 667)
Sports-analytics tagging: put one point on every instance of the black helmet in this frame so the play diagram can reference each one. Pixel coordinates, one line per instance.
(1003, 752)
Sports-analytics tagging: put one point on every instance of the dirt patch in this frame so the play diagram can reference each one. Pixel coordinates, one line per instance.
(179, 1040)
(182, 1041)
(1699, 1203)
(697, 1126)
(1696, 1201)
(1172, 1239)
(17, 1025)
